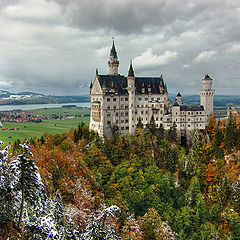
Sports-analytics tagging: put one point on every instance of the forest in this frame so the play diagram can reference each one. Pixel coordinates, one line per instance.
(76, 185)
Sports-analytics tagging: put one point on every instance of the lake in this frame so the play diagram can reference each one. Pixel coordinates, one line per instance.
(41, 106)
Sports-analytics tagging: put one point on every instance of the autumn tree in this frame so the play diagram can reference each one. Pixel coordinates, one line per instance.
(131, 230)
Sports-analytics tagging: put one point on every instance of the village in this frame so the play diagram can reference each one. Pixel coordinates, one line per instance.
(20, 116)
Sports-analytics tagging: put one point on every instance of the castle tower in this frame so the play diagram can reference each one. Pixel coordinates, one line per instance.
(179, 99)
(113, 62)
(206, 96)
(131, 92)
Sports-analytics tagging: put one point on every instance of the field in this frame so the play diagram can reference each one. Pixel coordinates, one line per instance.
(52, 126)
(60, 111)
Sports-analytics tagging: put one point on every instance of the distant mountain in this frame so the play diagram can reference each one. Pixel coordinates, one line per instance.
(8, 98)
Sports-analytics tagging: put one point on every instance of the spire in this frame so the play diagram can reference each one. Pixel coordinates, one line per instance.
(113, 51)
(130, 71)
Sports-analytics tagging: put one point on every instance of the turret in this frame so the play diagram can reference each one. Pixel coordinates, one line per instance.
(131, 92)
(206, 96)
(179, 99)
(113, 62)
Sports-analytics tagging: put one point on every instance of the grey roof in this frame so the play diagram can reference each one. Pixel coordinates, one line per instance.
(119, 84)
(191, 108)
(149, 82)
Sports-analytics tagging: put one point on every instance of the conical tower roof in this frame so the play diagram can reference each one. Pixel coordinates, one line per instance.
(130, 71)
(113, 51)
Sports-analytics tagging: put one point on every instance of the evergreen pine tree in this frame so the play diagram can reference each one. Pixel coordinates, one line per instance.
(139, 123)
(29, 181)
(230, 134)
(224, 192)
(58, 212)
(172, 133)
(100, 227)
(236, 196)
(8, 198)
(152, 125)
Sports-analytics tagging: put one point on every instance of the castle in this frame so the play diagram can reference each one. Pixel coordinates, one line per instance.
(120, 101)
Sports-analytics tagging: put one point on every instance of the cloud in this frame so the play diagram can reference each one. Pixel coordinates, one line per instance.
(186, 65)
(102, 52)
(234, 48)
(54, 46)
(136, 15)
(205, 56)
(148, 60)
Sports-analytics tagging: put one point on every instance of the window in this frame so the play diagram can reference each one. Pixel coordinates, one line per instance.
(152, 99)
(126, 114)
(122, 114)
(122, 128)
(122, 99)
(114, 107)
(156, 118)
(122, 121)
(108, 122)
(114, 99)
(108, 99)
(142, 112)
(108, 114)
(117, 121)
(126, 99)
(146, 99)
(188, 113)
(139, 99)
(189, 125)
(116, 114)
(146, 112)
(108, 107)
(126, 121)
(127, 128)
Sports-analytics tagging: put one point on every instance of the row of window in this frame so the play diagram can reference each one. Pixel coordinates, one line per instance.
(146, 99)
(117, 114)
(115, 107)
(189, 119)
(97, 99)
(115, 99)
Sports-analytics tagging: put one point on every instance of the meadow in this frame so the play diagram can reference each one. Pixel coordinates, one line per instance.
(52, 126)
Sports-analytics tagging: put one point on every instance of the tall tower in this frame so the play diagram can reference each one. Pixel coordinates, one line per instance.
(131, 99)
(206, 96)
(113, 62)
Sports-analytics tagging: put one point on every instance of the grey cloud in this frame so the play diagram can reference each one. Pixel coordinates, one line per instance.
(57, 53)
(136, 15)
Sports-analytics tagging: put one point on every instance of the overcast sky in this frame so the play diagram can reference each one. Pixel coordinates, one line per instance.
(54, 46)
